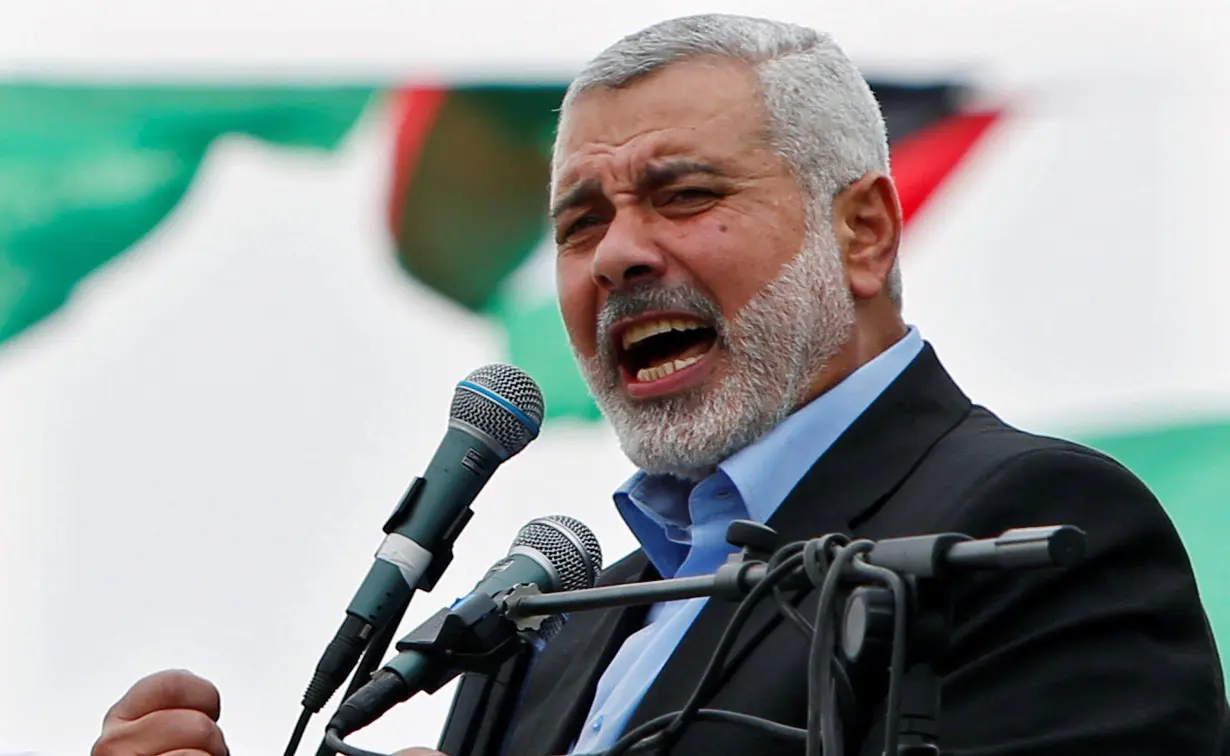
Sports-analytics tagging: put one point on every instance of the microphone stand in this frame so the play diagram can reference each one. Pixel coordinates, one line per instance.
(866, 629)
(483, 708)
(866, 632)
(483, 637)
(926, 556)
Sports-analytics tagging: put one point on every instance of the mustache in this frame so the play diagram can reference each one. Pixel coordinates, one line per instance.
(633, 301)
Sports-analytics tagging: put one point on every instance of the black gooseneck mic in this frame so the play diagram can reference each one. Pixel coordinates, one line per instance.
(549, 554)
(496, 411)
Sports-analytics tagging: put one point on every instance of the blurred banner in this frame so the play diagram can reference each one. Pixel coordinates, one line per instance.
(87, 172)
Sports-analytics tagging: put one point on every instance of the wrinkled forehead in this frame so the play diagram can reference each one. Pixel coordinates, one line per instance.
(705, 110)
(648, 157)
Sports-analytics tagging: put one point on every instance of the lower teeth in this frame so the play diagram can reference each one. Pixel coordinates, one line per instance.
(661, 371)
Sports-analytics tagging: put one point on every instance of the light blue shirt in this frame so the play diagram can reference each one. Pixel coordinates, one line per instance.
(682, 527)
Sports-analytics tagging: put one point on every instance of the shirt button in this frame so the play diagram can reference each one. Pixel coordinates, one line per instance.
(597, 725)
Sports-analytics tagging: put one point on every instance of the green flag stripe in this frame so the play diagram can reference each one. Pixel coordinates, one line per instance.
(1188, 468)
(87, 171)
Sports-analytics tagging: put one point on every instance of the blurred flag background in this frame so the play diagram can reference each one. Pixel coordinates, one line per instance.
(244, 257)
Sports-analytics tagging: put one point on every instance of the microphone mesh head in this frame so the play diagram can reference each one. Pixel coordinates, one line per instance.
(475, 407)
(588, 540)
(569, 546)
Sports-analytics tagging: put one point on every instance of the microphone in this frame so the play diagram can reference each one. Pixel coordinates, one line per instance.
(496, 411)
(555, 553)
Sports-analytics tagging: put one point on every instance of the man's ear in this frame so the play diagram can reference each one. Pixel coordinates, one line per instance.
(867, 222)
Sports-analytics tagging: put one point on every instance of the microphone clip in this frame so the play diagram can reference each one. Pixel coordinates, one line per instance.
(472, 636)
(443, 555)
(756, 541)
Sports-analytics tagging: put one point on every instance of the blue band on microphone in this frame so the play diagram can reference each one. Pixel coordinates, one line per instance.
(512, 409)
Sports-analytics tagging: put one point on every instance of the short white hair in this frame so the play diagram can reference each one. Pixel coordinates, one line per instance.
(824, 121)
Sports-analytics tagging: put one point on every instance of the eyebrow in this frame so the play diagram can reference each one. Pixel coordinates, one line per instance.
(582, 194)
(654, 176)
(662, 173)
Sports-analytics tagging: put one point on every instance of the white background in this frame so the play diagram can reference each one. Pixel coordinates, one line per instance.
(197, 453)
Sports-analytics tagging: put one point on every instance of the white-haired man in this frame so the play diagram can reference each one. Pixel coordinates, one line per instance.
(727, 235)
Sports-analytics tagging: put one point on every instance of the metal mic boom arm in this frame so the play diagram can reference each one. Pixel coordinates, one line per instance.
(923, 556)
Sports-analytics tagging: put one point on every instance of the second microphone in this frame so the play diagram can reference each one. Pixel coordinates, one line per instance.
(555, 553)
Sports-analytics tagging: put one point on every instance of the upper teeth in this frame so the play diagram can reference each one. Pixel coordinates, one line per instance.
(642, 331)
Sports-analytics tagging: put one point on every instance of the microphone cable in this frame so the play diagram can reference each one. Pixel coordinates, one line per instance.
(661, 731)
(825, 674)
(641, 738)
(822, 734)
(377, 645)
(896, 665)
(796, 618)
(332, 740)
(784, 607)
(823, 561)
(296, 736)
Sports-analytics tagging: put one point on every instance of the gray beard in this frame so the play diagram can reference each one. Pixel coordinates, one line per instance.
(775, 346)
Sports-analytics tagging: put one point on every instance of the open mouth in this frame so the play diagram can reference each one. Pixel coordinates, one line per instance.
(650, 350)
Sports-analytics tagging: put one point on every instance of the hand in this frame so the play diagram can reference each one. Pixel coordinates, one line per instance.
(168, 713)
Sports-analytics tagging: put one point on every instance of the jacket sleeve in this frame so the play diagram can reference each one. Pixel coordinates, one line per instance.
(1112, 656)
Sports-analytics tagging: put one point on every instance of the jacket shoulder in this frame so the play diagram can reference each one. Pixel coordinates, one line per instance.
(982, 442)
(983, 465)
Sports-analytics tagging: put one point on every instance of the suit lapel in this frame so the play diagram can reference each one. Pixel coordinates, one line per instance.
(560, 688)
(841, 491)
(876, 453)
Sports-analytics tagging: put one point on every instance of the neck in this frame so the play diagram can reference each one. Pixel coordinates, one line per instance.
(874, 332)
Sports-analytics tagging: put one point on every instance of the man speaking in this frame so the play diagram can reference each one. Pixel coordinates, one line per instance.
(727, 233)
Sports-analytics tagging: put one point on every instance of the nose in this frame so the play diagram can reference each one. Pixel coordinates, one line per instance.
(627, 255)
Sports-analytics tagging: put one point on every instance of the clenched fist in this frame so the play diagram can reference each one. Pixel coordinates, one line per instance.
(171, 713)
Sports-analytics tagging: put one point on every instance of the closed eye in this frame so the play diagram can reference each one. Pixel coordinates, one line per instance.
(580, 224)
(691, 195)
(686, 202)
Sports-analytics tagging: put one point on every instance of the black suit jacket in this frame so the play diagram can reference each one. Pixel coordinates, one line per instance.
(1114, 656)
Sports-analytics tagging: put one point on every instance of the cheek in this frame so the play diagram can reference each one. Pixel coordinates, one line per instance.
(577, 303)
(730, 260)
(758, 253)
